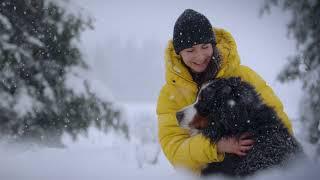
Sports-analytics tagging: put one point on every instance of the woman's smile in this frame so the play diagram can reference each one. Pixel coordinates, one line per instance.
(200, 66)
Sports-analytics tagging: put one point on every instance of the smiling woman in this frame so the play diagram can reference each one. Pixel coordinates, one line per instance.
(197, 53)
(197, 57)
(195, 42)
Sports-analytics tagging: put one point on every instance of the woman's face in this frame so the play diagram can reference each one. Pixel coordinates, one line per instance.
(197, 57)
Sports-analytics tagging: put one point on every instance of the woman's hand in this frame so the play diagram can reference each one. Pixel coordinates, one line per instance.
(235, 146)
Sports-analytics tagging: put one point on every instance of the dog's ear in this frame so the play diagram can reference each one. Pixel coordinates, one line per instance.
(226, 90)
(248, 95)
(236, 81)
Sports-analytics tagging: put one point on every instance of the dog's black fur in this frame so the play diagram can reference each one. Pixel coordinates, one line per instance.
(234, 107)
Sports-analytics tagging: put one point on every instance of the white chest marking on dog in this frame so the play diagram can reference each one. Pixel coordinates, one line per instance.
(190, 112)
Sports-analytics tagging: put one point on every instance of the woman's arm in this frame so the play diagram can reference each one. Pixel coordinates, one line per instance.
(182, 150)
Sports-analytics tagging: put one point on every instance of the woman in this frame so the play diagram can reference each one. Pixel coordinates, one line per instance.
(197, 53)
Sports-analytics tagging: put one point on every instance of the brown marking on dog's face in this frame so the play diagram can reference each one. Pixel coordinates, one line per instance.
(199, 122)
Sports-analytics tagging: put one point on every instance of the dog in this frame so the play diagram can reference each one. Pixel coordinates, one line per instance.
(229, 107)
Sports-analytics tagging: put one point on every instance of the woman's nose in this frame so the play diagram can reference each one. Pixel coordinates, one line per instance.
(200, 57)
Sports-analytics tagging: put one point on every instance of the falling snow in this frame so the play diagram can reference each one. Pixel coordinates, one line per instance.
(231, 103)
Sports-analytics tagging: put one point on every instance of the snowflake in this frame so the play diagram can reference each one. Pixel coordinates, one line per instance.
(231, 102)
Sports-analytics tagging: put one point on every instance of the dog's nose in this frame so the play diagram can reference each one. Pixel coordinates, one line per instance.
(179, 116)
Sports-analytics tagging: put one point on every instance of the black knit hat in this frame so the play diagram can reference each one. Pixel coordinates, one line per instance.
(191, 28)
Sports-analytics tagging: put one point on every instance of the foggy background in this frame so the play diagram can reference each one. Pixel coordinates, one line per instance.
(126, 48)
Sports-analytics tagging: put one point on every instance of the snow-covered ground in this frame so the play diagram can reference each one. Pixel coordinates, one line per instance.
(111, 156)
(99, 156)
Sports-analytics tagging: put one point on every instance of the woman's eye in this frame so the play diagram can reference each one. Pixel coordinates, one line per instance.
(189, 50)
(204, 47)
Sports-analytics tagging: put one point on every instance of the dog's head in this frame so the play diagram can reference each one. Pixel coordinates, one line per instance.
(221, 108)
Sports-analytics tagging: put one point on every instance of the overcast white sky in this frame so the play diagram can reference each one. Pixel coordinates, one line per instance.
(135, 72)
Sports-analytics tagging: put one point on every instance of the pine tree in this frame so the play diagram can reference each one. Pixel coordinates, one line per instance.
(304, 65)
(37, 51)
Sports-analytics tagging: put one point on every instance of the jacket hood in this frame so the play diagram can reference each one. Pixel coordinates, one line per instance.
(176, 70)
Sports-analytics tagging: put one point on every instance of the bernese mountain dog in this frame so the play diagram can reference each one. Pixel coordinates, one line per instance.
(229, 107)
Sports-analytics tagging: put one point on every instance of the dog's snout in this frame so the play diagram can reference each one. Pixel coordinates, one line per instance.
(179, 116)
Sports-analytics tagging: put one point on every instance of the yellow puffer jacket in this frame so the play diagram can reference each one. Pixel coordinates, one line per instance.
(193, 152)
